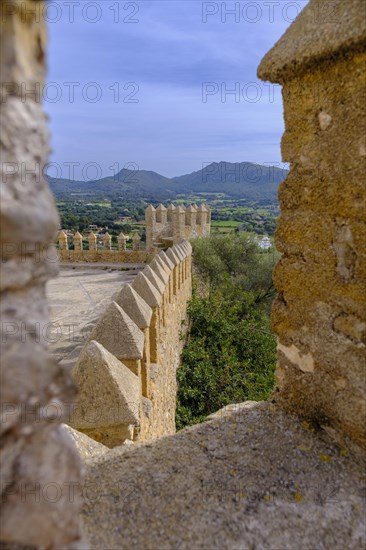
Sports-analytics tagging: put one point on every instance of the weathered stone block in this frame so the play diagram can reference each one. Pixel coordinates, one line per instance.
(135, 307)
(320, 312)
(147, 290)
(109, 396)
(39, 466)
(119, 334)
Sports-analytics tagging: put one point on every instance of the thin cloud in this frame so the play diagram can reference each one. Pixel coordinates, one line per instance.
(169, 54)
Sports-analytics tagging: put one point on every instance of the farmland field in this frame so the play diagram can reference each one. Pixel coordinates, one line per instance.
(223, 223)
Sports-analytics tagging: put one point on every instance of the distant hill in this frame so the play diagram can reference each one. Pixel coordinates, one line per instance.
(126, 184)
(238, 180)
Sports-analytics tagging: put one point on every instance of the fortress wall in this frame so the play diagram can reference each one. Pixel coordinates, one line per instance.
(175, 223)
(107, 256)
(126, 372)
(36, 455)
(164, 227)
(320, 310)
(159, 227)
(127, 368)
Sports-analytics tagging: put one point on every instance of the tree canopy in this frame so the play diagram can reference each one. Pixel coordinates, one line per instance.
(229, 356)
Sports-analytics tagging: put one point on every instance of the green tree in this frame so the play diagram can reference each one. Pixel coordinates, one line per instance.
(230, 353)
(235, 258)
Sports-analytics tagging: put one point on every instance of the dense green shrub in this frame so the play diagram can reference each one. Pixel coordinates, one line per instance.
(235, 258)
(230, 353)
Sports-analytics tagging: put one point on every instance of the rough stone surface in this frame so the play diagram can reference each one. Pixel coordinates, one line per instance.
(43, 461)
(320, 311)
(25, 196)
(135, 307)
(255, 478)
(36, 457)
(23, 45)
(322, 30)
(109, 393)
(119, 334)
(87, 447)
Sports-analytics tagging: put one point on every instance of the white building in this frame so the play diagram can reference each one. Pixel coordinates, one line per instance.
(265, 243)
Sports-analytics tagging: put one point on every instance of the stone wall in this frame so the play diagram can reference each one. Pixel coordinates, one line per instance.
(37, 459)
(126, 373)
(320, 311)
(319, 317)
(165, 227)
(104, 254)
(168, 226)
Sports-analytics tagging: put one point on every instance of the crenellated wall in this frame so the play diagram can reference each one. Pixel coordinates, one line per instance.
(126, 372)
(320, 310)
(164, 228)
(104, 254)
(168, 226)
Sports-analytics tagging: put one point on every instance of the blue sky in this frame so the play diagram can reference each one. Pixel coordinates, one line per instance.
(151, 82)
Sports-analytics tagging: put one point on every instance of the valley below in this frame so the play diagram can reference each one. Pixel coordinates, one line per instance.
(241, 196)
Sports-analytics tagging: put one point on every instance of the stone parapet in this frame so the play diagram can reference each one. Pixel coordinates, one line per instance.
(107, 256)
(165, 227)
(168, 226)
(101, 254)
(141, 332)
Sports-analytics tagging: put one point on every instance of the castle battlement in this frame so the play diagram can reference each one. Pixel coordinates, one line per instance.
(104, 252)
(126, 372)
(263, 478)
(165, 227)
(168, 226)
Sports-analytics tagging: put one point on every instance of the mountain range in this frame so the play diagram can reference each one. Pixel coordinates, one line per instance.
(244, 180)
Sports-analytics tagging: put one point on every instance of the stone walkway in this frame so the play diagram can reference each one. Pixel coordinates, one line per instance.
(77, 299)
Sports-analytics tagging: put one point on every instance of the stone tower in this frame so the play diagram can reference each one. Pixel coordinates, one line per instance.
(168, 226)
(150, 219)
